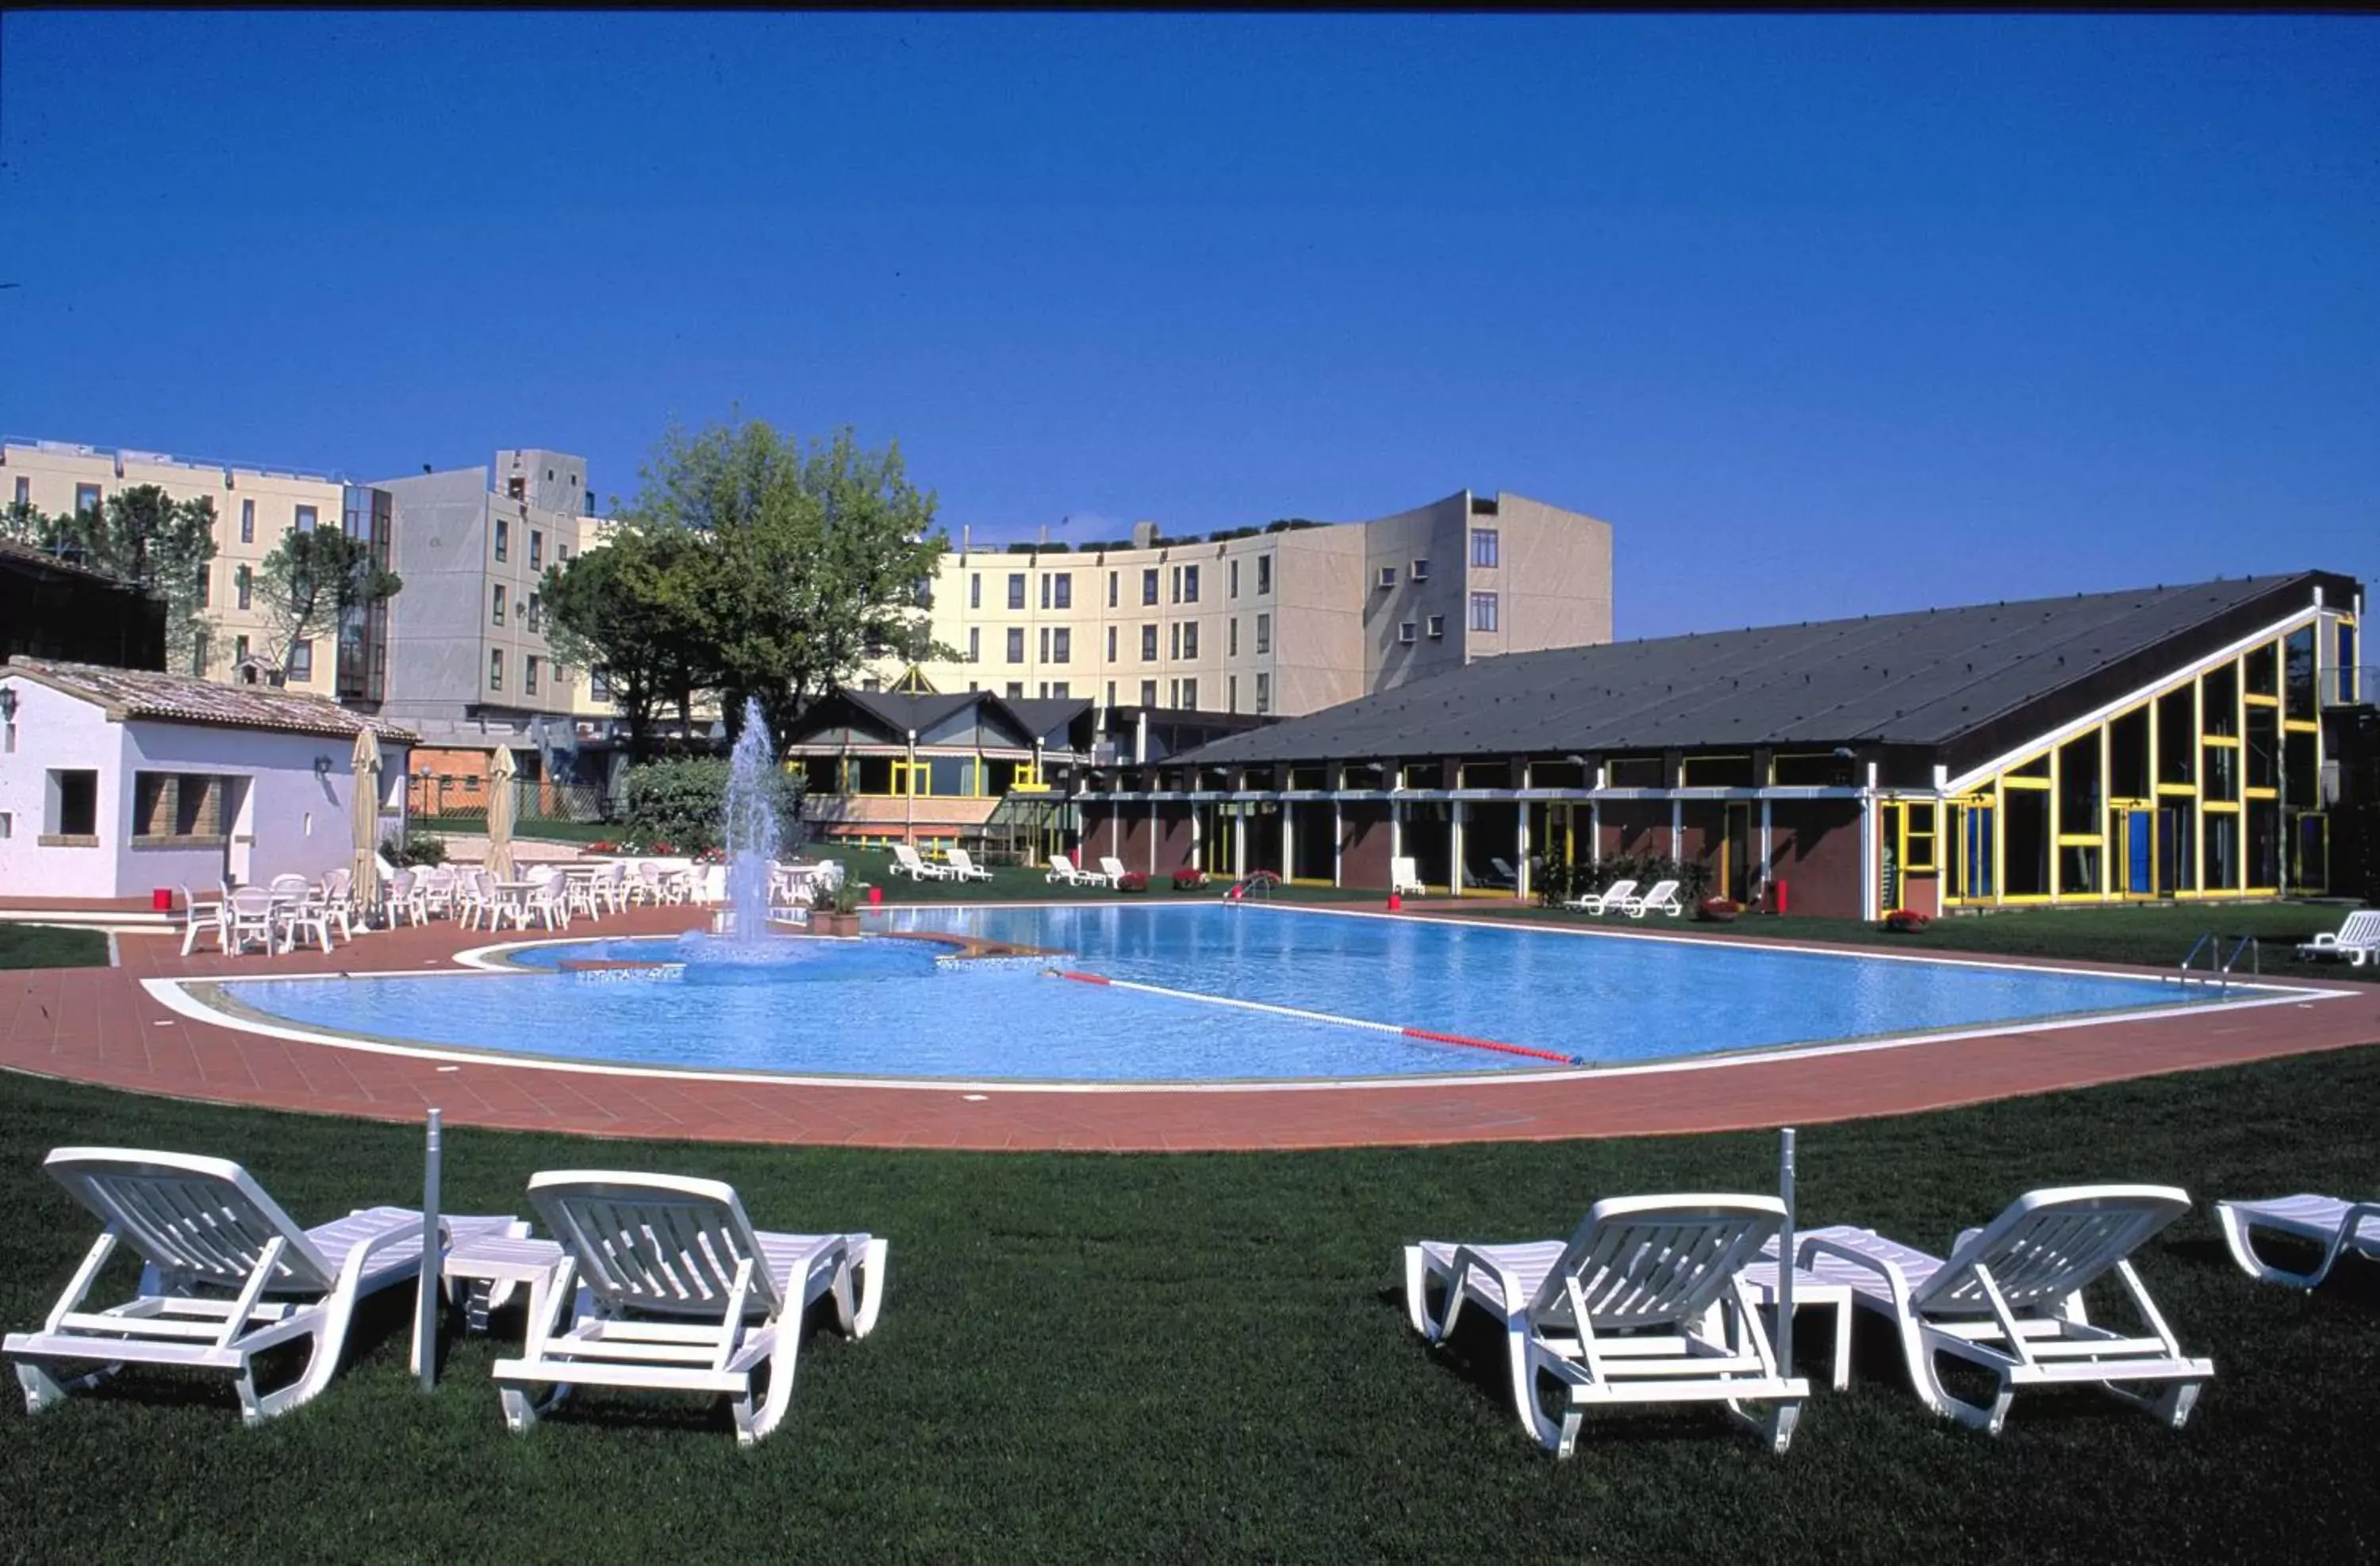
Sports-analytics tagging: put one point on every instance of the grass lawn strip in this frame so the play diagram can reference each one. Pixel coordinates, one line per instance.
(1203, 1357)
(51, 946)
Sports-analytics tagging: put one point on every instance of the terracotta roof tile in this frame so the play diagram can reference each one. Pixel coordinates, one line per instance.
(180, 698)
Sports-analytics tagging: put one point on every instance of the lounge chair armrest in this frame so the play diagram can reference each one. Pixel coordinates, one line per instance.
(1894, 1278)
(361, 1251)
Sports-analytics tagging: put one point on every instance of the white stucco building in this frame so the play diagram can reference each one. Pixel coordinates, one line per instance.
(115, 782)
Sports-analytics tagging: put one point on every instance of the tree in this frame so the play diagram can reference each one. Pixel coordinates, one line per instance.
(814, 557)
(141, 537)
(312, 581)
(625, 608)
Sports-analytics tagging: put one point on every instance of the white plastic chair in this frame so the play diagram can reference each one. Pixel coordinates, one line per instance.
(248, 916)
(401, 895)
(311, 915)
(204, 1223)
(2340, 1227)
(2009, 1299)
(964, 867)
(1662, 899)
(200, 918)
(905, 861)
(1645, 1303)
(1063, 872)
(1616, 895)
(546, 901)
(1113, 868)
(338, 903)
(677, 1292)
(1404, 878)
(2357, 940)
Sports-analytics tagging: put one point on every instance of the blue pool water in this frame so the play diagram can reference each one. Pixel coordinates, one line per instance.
(896, 1008)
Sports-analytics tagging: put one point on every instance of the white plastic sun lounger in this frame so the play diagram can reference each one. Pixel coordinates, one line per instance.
(1404, 878)
(1063, 873)
(1113, 870)
(1662, 899)
(1610, 897)
(677, 1292)
(2337, 1227)
(1645, 1303)
(963, 866)
(906, 862)
(2009, 1299)
(204, 1223)
(2357, 940)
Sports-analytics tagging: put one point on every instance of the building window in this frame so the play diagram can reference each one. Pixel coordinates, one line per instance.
(1190, 693)
(1112, 593)
(1148, 693)
(244, 586)
(1264, 575)
(1235, 573)
(1016, 643)
(1387, 576)
(499, 591)
(975, 589)
(73, 803)
(305, 519)
(1062, 645)
(1264, 693)
(24, 491)
(1190, 639)
(1437, 626)
(562, 553)
(1061, 690)
(301, 660)
(504, 540)
(247, 522)
(1483, 548)
(1057, 589)
(1189, 584)
(534, 614)
(1405, 633)
(1111, 693)
(496, 668)
(86, 505)
(1232, 638)
(1111, 644)
(1015, 690)
(1264, 633)
(536, 550)
(1149, 586)
(1148, 644)
(206, 586)
(975, 644)
(1045, 643)
(528, 675)
(599, 684)
(239, 644)
(1232, 693)
(1016, 589)
(1483, 612)
(1421, 570)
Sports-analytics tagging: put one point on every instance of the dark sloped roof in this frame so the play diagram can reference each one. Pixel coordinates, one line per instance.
(179, 698)
(1044, 716)
(1918, 679)
(1037, 718)
(40, 559)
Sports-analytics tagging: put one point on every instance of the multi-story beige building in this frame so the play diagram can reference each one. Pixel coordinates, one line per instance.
(1284, 622)
(255, 508)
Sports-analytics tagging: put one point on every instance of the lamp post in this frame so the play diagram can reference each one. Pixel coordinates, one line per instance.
(909, 795)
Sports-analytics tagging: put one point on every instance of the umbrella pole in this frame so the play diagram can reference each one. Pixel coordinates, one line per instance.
(1785, 1254)
(425, 1317)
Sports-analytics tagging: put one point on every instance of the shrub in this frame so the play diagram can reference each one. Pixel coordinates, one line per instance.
(1132, 880)
(1906, 921)
(416, 848)
(1189, 878)
(682, 802)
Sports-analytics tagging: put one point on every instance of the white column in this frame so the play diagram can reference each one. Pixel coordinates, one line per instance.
(1455, 848)
(1767, 844)
(1288, 839)
(1520, 847)
(1676, 829)
(1153, 823)
(1239, 847)
(1338, 843)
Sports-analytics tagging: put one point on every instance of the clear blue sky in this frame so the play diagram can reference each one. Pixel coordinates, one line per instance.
(1825, 315)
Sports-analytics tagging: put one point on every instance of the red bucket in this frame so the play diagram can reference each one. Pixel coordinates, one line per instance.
(161, 899)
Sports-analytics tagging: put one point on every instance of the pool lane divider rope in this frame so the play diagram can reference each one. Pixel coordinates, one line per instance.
(1427, 1035)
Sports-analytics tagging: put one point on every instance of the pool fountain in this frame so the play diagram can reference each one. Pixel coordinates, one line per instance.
(740, 949)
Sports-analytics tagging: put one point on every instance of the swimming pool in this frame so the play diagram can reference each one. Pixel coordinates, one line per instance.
(1249, 993)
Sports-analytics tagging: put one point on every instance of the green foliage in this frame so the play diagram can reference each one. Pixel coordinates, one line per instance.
(415, 848)
(683, 803)
(809, 559)
(311, 580)
(143, 537)
(51, 946)
(630, 608)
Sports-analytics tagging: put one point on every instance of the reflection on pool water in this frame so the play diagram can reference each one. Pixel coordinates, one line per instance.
(881, 1007)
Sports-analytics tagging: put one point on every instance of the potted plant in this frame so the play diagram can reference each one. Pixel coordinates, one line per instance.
(1717, 910)
(834, 910)
(1905, 921)
(1132, 880)
(1189, 878)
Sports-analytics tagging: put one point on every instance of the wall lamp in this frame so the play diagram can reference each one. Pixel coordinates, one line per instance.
(8, 705)
(322, 766)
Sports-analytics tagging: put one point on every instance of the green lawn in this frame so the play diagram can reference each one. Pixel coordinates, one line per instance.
(51, 946)
(1203, 1357)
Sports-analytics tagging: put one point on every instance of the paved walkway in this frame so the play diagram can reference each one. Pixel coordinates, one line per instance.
(98, 1026)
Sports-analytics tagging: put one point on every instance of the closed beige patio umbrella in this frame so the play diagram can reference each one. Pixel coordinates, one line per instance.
(364, 891)
(500, 815)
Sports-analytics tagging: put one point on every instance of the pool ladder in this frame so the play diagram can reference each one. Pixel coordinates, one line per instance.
(2218, 967)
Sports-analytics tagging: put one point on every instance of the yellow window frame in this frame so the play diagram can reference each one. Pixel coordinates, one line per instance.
(1920, 846)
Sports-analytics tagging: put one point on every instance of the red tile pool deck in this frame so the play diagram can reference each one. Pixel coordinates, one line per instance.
(99, 1026)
